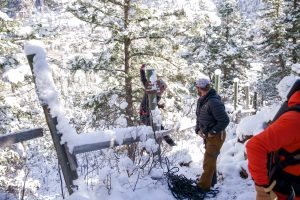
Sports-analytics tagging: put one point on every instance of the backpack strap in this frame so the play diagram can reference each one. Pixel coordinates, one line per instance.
(290, 158)
(293, 108)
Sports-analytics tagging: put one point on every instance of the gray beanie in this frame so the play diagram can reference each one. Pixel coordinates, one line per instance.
(202, 82)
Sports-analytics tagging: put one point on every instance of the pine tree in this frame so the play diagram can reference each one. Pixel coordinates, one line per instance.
(272, 48)
(7, 29)
(130, 33)
(234, 51)
(224, 45)
(292, 12)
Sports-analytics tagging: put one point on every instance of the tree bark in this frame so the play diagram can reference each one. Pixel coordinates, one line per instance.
(281, 62)
(294, 52)
(128, 79)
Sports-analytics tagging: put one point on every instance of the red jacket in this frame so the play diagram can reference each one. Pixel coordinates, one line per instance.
(283, 133)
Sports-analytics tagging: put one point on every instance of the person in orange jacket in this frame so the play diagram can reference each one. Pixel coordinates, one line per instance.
(282, 138)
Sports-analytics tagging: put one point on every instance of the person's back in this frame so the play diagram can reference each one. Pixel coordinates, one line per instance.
(283, 135)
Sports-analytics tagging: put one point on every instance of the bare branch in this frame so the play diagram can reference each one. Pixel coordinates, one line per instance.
(91, 21)
(111, 70)
(116, 3)
(150, 37)
(152, 54)
(92, 18)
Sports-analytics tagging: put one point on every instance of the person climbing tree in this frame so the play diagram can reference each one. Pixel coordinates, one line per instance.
(212, 120)
(274, 155)
(144, 107)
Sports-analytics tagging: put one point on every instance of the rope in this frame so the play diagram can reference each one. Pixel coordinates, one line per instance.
(184, 188)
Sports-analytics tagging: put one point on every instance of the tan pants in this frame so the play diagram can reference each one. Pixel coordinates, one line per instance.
(212, 150)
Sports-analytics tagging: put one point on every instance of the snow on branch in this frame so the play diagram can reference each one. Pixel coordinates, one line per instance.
(4, 16)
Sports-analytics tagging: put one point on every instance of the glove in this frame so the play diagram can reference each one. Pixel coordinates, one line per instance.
(162, 106)
(143, 67)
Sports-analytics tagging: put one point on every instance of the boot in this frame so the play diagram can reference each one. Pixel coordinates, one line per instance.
(169, 140)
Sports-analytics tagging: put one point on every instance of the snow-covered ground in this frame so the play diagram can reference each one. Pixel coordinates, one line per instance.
(126, 181)
(111, 176)
(122, 179)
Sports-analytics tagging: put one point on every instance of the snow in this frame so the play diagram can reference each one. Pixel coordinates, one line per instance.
(4, 16)
(47, 92)
(254, 124)
(123, 105)
(48, 95)
(123, 179)
(218, 72)
(250, 7)
(120, 186)
(25, 31)
(296, 68)
(256, 66)
(285, 84)
(16, 75)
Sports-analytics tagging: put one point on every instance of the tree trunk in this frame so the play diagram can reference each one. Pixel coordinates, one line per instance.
(227, 29)
(281, 62)
(294, 52)
(128, 80)
(225, 72)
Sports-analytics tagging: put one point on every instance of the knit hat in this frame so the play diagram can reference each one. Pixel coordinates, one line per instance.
(202, 82)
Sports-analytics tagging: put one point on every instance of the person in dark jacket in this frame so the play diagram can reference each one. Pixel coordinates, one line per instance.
(144, 107)
(212, 120)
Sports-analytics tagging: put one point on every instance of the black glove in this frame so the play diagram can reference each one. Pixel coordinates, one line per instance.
(162, 106)
(197, 130)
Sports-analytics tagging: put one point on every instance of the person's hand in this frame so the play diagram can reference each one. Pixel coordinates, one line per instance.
(266, 192)
(161, 106)
(143, 67)
(201, 133)
(269, 190)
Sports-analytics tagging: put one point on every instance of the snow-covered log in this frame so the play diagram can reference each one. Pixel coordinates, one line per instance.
(9, 139)
(113, 142)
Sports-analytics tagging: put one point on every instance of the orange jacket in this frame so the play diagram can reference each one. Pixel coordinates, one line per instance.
(283, 133)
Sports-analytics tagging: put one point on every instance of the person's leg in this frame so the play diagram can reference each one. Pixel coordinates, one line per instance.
(213, 146)
(145, 119)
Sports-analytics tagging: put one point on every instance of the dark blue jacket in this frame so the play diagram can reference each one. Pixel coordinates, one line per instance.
(211, 113)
